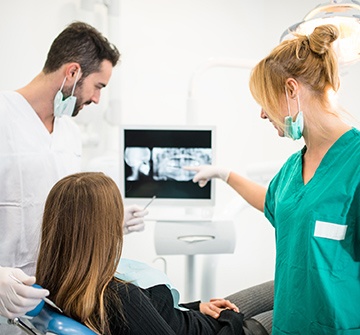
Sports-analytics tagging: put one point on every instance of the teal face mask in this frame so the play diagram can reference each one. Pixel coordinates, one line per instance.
(294, 129)
(65, 106)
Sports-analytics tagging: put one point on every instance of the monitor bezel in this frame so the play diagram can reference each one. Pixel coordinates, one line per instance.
(166, 201)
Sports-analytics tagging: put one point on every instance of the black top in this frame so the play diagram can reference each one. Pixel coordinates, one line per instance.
(151, 311)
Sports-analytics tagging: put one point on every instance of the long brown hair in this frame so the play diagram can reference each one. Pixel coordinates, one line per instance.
(81, 245)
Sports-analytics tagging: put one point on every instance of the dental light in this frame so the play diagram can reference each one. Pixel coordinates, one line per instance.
(343, 14)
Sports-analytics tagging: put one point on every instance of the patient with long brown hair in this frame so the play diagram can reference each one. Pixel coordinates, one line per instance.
(80, 250)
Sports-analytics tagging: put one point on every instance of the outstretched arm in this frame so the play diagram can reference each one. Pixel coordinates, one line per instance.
(252, 192)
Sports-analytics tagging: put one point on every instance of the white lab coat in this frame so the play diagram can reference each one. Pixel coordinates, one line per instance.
(31, 161)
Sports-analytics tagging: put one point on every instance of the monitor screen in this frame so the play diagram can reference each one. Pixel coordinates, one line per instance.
(152, 160)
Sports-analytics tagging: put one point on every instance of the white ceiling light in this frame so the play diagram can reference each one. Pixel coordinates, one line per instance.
(343, 14)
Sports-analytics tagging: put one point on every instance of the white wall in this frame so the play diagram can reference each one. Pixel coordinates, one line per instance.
(162, 44)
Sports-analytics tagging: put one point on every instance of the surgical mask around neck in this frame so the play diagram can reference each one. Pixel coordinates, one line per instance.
(65, 106)
(293, 129)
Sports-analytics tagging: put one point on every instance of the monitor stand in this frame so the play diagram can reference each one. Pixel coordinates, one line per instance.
(191, 238)
(176, 214)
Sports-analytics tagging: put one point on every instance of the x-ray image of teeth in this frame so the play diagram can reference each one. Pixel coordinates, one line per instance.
(168, 162)
(138, 158)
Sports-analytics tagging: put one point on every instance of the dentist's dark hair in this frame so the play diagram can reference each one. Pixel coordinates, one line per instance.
(81, 43)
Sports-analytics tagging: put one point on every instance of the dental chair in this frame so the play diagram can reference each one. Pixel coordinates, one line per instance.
(50, 322)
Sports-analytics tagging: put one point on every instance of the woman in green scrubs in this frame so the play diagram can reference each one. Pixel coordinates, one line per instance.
(314, 200)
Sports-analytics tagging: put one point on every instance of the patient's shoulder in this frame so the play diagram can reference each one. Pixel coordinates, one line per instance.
(126, 290)
(135, 295)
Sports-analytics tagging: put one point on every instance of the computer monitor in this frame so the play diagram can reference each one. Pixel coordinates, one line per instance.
(151, 162)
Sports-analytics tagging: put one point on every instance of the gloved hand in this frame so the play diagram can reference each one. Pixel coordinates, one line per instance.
(206, 172)
(16, 299)
(134, 218)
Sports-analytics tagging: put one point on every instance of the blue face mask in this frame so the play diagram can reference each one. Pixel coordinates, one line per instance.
(65, 106)
(294, 129)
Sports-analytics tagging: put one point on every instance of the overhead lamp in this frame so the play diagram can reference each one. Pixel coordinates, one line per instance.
(343, 14)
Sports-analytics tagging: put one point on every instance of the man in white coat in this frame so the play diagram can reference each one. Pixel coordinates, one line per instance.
(40, 144)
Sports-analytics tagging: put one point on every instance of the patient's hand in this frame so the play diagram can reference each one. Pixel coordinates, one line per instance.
(215, 306)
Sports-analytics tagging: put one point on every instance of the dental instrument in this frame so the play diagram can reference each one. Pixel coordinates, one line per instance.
(149, 203)
(46, 300)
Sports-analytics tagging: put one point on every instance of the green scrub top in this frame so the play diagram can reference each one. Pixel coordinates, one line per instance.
(317, 228)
